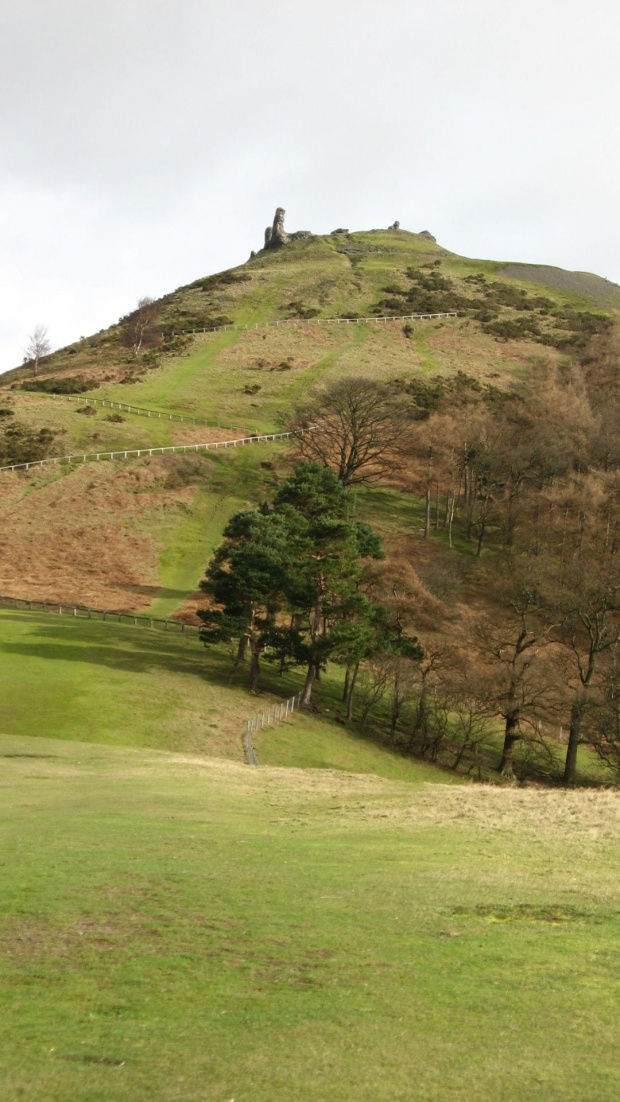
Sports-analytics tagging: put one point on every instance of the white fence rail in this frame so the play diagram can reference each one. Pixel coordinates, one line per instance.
(137, 453)
(142, 411)
(274, 714)
(81, 612)
(377, 319)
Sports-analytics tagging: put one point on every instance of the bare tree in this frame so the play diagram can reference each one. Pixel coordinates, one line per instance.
(38, 346)
(140, 324)
(592, 627)
(357, 426)
(512, 644)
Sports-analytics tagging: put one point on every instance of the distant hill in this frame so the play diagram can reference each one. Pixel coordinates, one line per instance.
(507, 313)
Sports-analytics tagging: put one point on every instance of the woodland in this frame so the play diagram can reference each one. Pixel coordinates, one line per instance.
(523, 634)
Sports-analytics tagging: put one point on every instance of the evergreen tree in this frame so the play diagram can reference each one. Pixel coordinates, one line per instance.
(247, 579)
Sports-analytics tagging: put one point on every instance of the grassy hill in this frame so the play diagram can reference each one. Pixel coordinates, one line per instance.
(346, 922)
(136, 534)
(251, 379)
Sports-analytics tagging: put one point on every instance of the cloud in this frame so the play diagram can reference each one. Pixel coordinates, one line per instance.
(146, 144)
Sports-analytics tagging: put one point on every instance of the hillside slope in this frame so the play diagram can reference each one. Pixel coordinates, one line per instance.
(66, 536)
(137, 534)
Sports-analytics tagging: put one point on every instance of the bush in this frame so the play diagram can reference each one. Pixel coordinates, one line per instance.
(66, 384)
(298, 310)
(88, 411)
(115, 417)
(20, 444)
(514, 329)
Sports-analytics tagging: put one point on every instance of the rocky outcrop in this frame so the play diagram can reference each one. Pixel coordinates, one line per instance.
(276, 236)
(394, 226)
(428, 236)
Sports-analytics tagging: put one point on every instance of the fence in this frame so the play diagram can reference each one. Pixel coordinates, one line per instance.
(93, 457)
(142, 411)
(81, 612)
(273, 715)
(311, 321)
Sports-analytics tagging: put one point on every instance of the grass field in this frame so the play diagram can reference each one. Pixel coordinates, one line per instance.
(182, 930)
(77, 679)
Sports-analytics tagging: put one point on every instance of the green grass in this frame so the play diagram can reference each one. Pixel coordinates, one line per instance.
(175, 930)
(308, 742)
(78, 679)
(84, 680)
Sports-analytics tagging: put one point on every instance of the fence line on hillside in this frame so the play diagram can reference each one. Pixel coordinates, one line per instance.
(309, 321)
(157, 414)
(275, 714)
(125, 453)
(82, 612)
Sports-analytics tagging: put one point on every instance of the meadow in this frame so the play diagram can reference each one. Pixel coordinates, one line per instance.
(177, 929)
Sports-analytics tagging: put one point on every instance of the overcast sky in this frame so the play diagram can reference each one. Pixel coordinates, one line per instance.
(147, 143)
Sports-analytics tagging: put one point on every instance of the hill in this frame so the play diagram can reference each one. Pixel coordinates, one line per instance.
(355, 918)
(136, 534)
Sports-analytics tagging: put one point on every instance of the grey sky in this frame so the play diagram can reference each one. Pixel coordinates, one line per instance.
(146, 143)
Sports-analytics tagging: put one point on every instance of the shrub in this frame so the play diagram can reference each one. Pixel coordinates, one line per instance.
(66, 384)
(20, 444)
(513, 329)
(297, 309)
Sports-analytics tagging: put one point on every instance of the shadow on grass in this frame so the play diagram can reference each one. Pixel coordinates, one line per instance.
(136, 650)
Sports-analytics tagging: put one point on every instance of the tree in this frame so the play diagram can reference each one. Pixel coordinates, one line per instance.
(591, 627)
(329, 547)
(284, 579)
(38, 346)
(140, 327)
(357, 425)
(247, 580)
(517, 690)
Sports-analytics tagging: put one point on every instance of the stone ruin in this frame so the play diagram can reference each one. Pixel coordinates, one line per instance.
(394, 226)
(276, 236)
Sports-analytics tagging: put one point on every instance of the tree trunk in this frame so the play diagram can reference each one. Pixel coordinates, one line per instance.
(451, 520)
(254, 667)
(240, 656)
(396, 706)
(345, 688)
(483, 526)
(511, 736)
(427, 514)
(306, 695)
(351, 692)
(570, 765)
